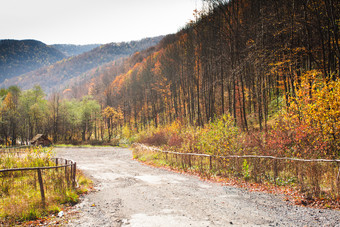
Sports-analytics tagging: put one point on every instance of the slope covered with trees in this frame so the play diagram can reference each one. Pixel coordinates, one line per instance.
(249, 59)
(240, 57)
(96, 80)
(272, 66)
(53, 77)
(21, 56)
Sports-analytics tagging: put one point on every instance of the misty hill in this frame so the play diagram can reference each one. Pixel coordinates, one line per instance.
(53, 77)
(21, 56)
(96, 80)
(73, 50)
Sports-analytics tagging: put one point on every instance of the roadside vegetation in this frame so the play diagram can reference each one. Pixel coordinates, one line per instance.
(20, 197)
(308, 128)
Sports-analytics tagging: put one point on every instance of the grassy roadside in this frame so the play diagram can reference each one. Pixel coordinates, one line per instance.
(228, 175)
(20, 198)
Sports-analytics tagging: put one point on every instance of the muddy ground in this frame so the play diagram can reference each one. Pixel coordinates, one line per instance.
(132, 194)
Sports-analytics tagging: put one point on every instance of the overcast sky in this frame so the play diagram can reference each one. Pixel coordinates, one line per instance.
(92, 21)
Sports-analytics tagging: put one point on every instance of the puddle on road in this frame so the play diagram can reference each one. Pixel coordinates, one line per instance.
(144, 220)
(161, 179)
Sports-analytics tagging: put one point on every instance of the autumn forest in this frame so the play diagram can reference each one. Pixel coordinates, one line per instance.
(269, 68)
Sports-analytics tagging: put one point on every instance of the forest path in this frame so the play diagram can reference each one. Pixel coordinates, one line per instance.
(132, 194)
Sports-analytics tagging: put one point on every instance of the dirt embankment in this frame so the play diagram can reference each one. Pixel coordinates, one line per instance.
(131, 194)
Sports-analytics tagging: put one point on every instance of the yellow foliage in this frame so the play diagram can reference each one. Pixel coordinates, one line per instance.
(114, 115)
(9, 103)
(317, 105)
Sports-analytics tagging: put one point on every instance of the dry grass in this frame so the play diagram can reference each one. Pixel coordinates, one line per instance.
(20, 198)
(314, 181)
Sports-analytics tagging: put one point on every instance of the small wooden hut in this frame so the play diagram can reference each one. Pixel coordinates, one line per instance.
(40, 140)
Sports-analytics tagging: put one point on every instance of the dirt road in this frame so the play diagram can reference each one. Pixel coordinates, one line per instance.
(132, 194)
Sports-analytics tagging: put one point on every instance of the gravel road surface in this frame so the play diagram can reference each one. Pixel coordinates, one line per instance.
(132, 194)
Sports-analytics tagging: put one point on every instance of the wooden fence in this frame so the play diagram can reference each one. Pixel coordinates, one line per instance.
(314, 177)
(68, 166)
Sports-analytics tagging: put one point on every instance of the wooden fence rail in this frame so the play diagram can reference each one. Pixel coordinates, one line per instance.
(236, 156)
(66, 164)
(318, 176)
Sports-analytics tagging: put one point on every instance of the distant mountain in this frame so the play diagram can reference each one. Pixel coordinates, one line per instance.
(96, 80)
(21, 56)
(55, 77)
(72, 50)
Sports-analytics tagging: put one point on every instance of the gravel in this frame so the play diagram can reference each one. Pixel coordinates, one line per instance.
(132, 194)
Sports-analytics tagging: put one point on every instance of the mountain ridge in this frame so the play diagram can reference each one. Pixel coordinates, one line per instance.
(51, 77)
(21, 56)
(73, 49)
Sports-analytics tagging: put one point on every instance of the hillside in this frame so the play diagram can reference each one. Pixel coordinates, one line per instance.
(21, 56)
(244, 58)
(96, 80)
(54, 77)
(271, 71)
(72, 50)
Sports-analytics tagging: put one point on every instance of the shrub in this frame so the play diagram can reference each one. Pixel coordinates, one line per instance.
(312, 120)
(175, 141)
(157, 138)
(219, 137)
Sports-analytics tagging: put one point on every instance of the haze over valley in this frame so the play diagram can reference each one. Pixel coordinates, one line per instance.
(29, 62)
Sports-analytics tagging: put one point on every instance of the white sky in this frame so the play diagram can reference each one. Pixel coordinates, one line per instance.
(92, 21)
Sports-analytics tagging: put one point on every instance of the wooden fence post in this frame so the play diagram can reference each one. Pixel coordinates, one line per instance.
(56, 164)
(201, 159)
(256, 168)
(275, 171)
(74, 174)
(71, 173)
(338, 179)
(66, 178)
(41, 187)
